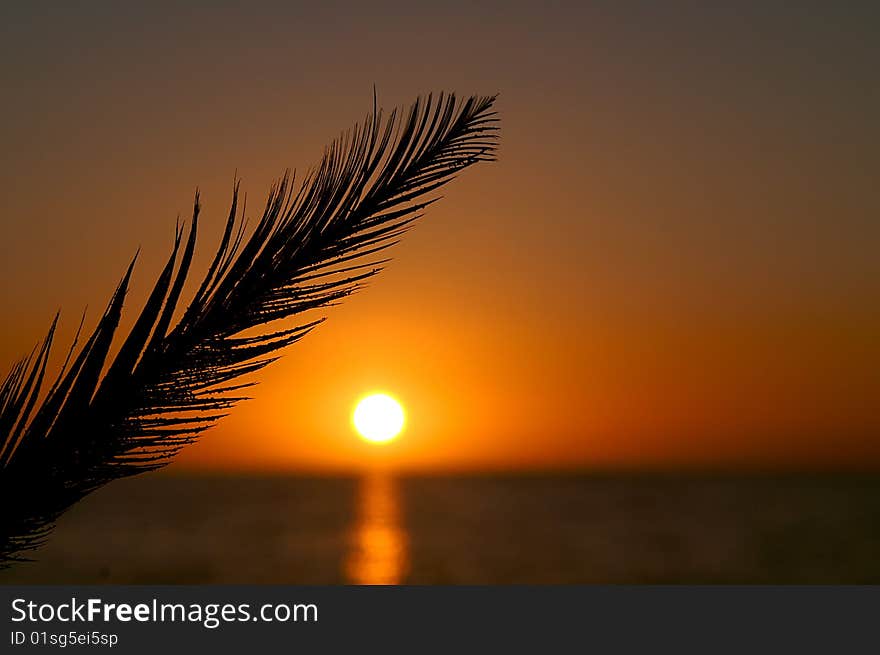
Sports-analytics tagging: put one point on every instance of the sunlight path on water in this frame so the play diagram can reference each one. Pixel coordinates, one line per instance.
(378, 544)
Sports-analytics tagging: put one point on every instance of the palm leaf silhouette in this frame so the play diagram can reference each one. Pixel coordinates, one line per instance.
(166, 385)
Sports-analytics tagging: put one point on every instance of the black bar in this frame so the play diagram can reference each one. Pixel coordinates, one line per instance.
(460, 619)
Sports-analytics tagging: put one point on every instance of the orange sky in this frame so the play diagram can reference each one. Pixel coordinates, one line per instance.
(673, 263)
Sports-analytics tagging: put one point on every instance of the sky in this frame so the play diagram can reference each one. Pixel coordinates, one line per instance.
(672, 264)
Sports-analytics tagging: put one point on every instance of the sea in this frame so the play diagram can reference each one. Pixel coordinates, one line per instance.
(380, 528)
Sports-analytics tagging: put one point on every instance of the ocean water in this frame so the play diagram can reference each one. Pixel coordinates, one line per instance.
(379, 529)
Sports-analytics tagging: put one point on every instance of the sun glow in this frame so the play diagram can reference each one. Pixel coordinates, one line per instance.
(378, 418)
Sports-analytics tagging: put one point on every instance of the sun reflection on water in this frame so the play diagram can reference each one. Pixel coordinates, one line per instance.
(378, 547)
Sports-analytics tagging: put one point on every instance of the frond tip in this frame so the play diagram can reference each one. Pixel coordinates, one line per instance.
(314, 244)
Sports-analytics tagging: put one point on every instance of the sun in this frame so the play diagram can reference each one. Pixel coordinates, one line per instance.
(378, 418)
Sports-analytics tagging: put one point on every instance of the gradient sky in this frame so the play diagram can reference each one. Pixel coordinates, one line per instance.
(675, 261)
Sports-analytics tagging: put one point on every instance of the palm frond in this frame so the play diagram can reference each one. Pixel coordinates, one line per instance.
(315, 244)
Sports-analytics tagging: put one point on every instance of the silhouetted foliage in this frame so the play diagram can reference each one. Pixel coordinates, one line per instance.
(166, 385)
